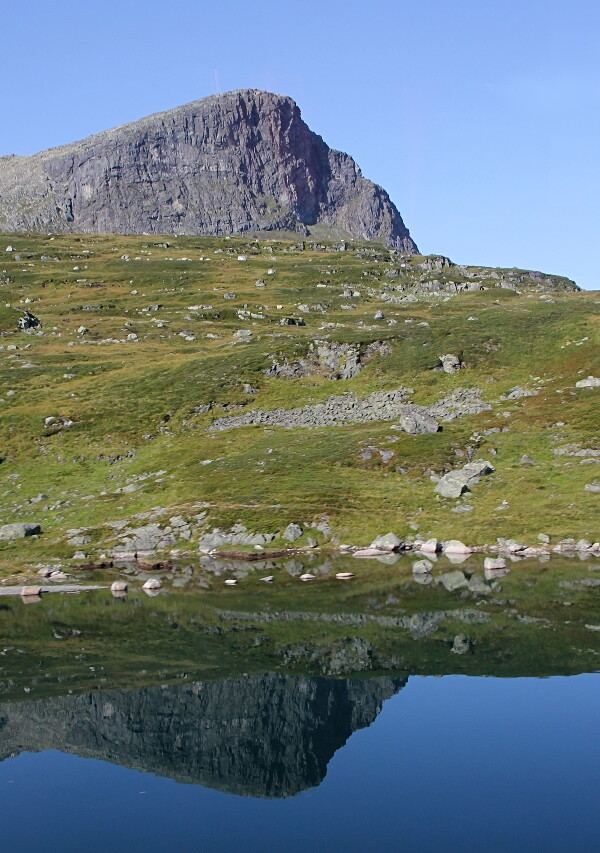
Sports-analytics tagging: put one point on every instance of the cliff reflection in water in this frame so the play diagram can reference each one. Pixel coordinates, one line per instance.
(267, 735)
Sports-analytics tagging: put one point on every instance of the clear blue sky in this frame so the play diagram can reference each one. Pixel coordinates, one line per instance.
(481, 118)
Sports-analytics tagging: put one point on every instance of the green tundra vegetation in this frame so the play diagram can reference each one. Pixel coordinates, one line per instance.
(106, 409)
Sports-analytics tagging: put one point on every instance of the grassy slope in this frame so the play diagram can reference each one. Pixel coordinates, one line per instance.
(138, 397)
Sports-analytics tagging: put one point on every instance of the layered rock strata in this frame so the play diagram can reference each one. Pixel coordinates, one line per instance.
(236, 162)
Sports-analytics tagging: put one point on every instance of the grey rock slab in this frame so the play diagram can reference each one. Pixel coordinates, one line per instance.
(387, 542)
(19, 530)
(417, 421)
(454, 483)
(292, 532)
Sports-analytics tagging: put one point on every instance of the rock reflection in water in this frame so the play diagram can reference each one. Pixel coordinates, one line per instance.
(268, 735)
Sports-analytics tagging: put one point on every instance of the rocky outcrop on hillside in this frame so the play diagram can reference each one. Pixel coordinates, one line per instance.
(267, 735)
(237, 162)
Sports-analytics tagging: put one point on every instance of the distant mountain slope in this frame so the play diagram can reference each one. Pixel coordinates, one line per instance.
(237, 162)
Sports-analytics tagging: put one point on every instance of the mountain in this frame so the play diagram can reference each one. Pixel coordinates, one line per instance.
(237, 162)
(269, 735)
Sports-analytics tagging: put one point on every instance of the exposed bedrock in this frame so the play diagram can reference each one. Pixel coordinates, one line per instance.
(234, 162)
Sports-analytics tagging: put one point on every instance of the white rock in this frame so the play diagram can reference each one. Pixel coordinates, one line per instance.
(454, 546)
(590, 382)
(432, 546)
(152, 583)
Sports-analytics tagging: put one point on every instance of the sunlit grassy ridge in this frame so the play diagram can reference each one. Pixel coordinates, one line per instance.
(139, 406)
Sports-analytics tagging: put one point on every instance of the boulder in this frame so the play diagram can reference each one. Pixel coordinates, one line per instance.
(118, 586)
(432, 546)
(31, 590)
(387, 542)
(450, 363)
(152, 583)
(19, 530)
(453, 484)
(454, 546)
(590, 382)
(418, 422)
(292, 532)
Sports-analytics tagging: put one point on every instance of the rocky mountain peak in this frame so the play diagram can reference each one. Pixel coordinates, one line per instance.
(237, 162)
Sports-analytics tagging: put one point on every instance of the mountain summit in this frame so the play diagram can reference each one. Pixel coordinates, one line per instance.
(237, 162)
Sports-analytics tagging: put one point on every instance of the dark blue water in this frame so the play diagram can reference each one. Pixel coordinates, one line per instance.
(450, 764)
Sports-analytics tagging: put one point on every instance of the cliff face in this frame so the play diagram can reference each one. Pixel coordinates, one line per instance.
(241, 161)
(263, 736)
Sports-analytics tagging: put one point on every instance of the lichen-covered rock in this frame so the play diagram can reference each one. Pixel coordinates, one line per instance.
(226, 164)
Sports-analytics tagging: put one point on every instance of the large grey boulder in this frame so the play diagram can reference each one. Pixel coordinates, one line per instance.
(230, 163)
(19, 530)
(387, 542)
(453, 484)
(450, 363)
(416, 421)
(292, 532)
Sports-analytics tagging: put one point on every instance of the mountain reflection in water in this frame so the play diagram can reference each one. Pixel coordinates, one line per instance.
(268, 735)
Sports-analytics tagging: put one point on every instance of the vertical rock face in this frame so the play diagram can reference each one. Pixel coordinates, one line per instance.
(241, 161)
(264, 736)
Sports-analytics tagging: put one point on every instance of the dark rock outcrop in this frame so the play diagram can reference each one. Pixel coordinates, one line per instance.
(231, 163)
(268, 735)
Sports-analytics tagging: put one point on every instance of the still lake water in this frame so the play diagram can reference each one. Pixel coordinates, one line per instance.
(172, 724)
